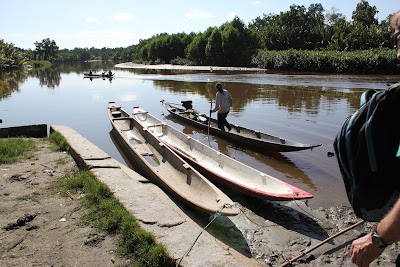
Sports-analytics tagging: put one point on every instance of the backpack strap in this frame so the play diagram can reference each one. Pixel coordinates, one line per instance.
(365, 97)
(398, 151)
(368, 132)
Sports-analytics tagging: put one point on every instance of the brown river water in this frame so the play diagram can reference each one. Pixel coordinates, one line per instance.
(304, 107)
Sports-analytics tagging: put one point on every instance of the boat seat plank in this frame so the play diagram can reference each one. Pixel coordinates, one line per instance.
(140, 112)
(143, 149)
(156, 125)
(120, 118)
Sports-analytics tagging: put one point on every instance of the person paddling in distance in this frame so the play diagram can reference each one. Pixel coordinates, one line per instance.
(366, 249)
(223, 103)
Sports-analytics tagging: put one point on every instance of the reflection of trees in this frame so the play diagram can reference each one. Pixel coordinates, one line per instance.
(293, 98)
(163, 71)
(50, 77)
(10, 81)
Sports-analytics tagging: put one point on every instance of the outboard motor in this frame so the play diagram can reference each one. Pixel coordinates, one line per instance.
(187, 104)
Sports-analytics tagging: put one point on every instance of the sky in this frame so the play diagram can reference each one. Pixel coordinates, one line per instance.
(121, 23)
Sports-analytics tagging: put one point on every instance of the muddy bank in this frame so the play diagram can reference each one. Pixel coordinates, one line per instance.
(287, 231)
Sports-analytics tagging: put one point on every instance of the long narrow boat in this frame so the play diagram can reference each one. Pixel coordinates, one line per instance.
(218, 167)
(240, 135)
(164, 167)
(92, 75)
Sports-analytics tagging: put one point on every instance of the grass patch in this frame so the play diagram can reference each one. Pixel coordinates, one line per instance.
(59, 141)
(105, 212)
(16, 149)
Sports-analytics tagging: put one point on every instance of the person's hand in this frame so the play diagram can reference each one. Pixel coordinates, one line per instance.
(363, 251)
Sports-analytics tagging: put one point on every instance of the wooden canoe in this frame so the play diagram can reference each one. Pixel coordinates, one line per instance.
(240, 135)
(88, 75)
(218, 167)
(164, 167)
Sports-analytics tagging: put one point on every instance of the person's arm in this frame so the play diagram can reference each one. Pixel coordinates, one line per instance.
(389, 228)
(217, 103)
(363, 251)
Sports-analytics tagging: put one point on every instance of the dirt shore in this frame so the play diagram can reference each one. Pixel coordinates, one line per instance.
(42, 227)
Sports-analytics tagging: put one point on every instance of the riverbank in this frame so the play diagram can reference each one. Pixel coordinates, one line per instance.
(130, 65)
(275, 232)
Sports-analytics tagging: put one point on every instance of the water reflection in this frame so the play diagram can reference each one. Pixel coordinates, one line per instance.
(49, 77)
(294, 98)
(10, 82)
(98, 78)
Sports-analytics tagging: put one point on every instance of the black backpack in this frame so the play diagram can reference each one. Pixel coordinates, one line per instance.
(367, 152)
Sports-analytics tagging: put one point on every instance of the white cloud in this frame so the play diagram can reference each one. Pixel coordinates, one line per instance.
(91, 19)
(197, 14)
(230, 16)
(124, 17)
(256, 3)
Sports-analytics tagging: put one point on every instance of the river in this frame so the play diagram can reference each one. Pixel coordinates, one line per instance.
(305, 107)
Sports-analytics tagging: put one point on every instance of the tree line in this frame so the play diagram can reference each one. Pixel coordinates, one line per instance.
(265, 41)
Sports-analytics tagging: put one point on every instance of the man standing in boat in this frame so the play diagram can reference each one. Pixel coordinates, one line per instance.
(223, 103)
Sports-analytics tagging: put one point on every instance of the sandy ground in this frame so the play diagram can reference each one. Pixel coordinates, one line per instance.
(40, 226)
(131, 65)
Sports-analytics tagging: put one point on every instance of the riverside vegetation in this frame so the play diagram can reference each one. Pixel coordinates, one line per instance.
(101, 210)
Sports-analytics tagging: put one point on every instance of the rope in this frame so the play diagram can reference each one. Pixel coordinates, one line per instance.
(215, 216)
(309, 214)
(208, 128)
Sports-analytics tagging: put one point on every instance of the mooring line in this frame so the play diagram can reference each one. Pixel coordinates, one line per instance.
(215, 216)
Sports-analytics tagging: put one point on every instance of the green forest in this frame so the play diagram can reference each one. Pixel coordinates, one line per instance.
(300, 39)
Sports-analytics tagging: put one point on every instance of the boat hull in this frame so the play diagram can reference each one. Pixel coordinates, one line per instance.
(218, 167)
(164, 167)
(240, 135)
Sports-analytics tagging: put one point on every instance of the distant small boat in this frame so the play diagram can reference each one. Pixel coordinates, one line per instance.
(104, 75)
(161, 165)
(218, 167)
(238, 134)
